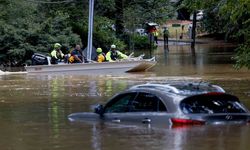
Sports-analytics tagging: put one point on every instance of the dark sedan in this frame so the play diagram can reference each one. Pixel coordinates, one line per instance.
(172, 104)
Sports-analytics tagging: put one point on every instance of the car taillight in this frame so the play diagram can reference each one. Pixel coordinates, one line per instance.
(215, 93)
(180, 121)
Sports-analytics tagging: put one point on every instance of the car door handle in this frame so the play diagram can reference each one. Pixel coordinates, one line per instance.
(116, 120)
(146, 120)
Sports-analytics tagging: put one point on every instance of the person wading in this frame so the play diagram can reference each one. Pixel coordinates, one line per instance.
(165, 35)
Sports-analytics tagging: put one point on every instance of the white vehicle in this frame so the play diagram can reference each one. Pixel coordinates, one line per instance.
(140, 31)
(199, 15)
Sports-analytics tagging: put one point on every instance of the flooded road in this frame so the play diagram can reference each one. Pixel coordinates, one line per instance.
(34, 108)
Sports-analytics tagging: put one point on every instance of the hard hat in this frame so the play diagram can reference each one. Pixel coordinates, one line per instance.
(98, 50)
(57, 45)
(113, 46)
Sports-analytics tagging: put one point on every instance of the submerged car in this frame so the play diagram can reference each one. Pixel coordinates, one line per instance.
(172, 104)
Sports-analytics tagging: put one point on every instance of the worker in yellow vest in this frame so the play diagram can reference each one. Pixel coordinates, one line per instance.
(156, 34)
(56, 54)
(100, 55)
(114, 54)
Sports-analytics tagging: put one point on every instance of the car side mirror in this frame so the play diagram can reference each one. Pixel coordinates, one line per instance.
(99, 109)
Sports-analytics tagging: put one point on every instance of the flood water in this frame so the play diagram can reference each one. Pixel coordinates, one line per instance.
(34, 108)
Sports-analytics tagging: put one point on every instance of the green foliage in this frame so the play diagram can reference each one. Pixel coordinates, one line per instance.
(34, 26)
(141, 11)
(104, 35)
(228, 17)
(237, 25)
(138, 12)
(243, 56)
(193, 4)
(105, 8)
(140, 42)
(24, 31)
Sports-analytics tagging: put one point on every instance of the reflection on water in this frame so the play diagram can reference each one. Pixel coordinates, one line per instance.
(34, 108)
(190, 138)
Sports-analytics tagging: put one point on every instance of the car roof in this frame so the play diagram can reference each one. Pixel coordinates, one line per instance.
(181, 88)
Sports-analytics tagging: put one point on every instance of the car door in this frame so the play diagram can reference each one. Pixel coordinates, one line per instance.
(118, 109)
(136, 108)
(148, 108)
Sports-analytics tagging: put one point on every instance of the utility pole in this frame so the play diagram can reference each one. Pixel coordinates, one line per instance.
(90, 29)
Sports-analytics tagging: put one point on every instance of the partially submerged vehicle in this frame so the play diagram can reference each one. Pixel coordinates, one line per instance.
(170, 104)
(41, 64)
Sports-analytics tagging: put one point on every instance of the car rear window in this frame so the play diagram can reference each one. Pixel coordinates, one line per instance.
(210, 104)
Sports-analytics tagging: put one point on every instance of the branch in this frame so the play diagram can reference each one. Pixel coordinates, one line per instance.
(46, 2)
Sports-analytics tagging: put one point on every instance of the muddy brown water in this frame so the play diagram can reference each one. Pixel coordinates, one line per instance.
(34, 108)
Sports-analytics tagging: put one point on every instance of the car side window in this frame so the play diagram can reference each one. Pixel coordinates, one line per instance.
(120, 103)
(146, 102)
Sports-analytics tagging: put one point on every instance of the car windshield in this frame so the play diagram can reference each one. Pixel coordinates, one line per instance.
(210, 104)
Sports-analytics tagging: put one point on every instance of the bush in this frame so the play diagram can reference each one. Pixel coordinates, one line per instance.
(26, 32)
(136, 41)
(140, 42)
(243, 56)
(104, 36)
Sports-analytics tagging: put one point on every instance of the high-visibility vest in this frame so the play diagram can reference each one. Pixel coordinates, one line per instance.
(112, 56)
(56, 54)
(155, 33)
(101, 57)
(53, 54)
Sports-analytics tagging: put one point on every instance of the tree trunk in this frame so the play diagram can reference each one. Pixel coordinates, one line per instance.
(119, 22)
(194, 30)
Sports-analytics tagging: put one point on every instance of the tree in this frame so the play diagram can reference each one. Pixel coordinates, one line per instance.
(149, 11)
(25, 30)
(231, 18)
(236, 16)
(138, 12)
(119, 20)
(34, 26)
